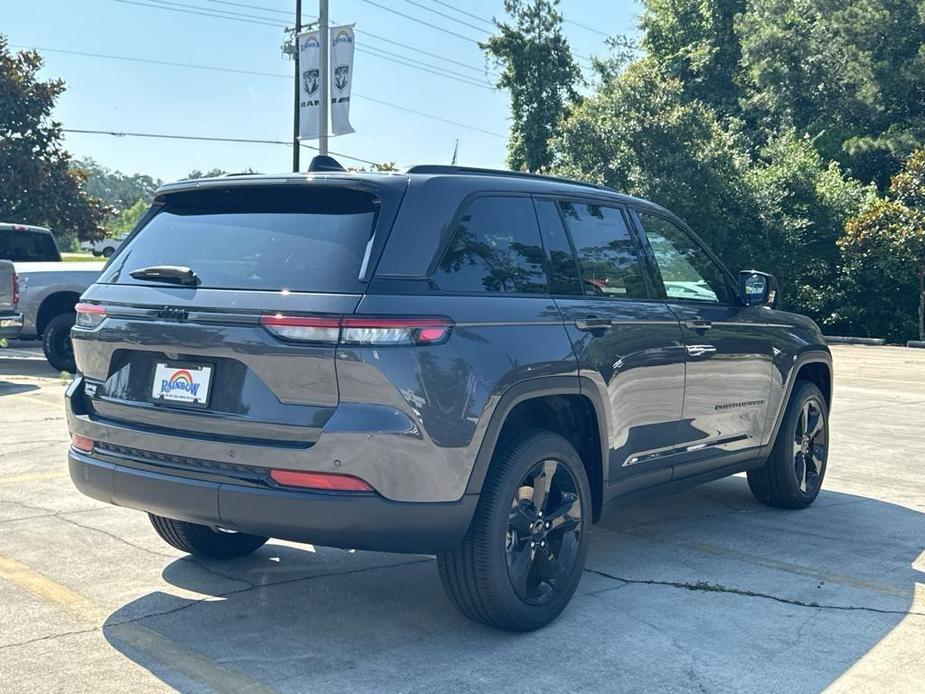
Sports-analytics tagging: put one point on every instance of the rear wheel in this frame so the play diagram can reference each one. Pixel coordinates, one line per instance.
(56, 342)
(203, 541)
(793, 474)
(524, 554)
(108, 251)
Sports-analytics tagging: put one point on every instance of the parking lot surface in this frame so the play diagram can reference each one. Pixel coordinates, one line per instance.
(705, 590)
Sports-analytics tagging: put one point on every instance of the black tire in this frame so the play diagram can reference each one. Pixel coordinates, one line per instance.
(108, 251)
(476, 575)
(203, 541)
(56, 342)
(784, 481)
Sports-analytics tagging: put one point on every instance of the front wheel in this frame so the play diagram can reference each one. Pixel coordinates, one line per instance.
(524, 554)
(56, 342)
(793, 474)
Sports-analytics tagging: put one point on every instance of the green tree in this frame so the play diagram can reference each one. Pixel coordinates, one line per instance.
(37, 183)
(126, 220)
(538, 70)
(116, 188)
(889, 235)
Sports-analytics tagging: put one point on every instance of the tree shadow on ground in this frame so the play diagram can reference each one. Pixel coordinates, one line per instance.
(703, 590)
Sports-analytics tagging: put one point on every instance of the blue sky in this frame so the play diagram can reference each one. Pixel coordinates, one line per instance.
(123, 96)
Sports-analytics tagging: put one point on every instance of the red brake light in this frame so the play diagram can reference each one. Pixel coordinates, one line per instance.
(15, 289)
(82, 443)
(320, 480)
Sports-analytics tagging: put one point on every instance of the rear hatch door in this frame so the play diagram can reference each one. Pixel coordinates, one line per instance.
(7, 286)
(192, 357)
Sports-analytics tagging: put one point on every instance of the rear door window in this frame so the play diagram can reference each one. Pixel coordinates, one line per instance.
(303, 239)
(606, 252)
(495, 248)
(25, 246)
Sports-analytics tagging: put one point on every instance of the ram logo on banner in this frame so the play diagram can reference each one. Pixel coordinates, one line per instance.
(310, 85)
(341, 78)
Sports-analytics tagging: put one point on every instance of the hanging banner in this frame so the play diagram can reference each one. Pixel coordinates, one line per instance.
(342, 39)
(310, 85)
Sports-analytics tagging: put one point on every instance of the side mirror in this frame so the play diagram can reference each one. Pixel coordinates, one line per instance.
(757, 288)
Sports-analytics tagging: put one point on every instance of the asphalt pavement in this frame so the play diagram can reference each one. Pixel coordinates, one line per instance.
(705, 590)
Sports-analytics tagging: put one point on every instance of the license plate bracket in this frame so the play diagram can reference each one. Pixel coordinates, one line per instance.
(181, 383)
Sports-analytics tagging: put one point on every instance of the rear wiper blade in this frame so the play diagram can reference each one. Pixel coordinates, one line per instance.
(174, 274)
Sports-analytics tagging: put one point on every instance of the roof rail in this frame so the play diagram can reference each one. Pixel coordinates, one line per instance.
(474, 171)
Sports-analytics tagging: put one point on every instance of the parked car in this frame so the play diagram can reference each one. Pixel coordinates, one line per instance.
(10, 320)
(427, 363)
(48, 289)
(104, 247)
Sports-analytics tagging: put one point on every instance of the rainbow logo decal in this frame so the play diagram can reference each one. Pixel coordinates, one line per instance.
(181, 380)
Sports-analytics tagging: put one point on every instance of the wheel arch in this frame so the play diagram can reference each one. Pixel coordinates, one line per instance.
(813, 365)
(53, 305)
(559, 404)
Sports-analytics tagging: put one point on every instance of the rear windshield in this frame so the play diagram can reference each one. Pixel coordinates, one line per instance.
(24, 246)
(305, 239)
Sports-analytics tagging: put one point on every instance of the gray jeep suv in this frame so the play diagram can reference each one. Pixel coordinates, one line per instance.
(462, 362)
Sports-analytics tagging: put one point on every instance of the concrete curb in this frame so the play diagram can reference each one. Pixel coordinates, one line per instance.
(916, 343)
(838, 340)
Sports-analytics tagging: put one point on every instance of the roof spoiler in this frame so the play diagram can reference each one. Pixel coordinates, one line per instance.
(323, 162)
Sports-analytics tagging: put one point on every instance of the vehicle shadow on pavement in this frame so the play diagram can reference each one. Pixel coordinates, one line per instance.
(704, 590)
(7, 388)
(11, 366)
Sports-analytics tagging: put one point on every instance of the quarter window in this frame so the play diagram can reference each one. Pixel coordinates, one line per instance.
(495, 248)
(688, 273)
(605, 250)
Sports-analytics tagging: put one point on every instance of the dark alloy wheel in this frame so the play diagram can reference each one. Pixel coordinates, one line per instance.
(792, 476)
(543, 532)
(523, 557)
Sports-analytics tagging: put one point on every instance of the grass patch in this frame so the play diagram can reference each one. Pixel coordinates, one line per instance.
(80, 258)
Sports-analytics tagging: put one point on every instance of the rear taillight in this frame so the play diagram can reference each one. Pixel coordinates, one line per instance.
(90, 315)
(359, 330)
(319, 480)
(302, 328)
(15, 289)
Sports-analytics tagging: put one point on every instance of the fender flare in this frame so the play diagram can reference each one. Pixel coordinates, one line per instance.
(811, 355)
(530, 390)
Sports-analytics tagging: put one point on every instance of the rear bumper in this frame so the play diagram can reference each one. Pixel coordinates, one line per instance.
(348, 520)
(10, 324)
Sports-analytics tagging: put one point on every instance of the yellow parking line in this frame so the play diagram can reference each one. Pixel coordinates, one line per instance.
(33, 477)
(149, 643)
(51, 591)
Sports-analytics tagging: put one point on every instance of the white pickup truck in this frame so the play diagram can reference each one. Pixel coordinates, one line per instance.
(48, 290)
(104, 247)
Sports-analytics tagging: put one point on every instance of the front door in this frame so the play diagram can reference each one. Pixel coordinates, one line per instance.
(628, 344)
(728, 350)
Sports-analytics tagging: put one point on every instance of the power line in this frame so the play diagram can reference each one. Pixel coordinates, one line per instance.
(586, 27)
(445, 15)
(421, 21)
(203, 138)
(277, 75)
(408, 62)
(461, 11)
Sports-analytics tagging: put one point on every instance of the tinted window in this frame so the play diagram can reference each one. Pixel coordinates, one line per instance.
(23, 246)
(495, 248)
(563, 279)
(300, 240)
(687, 271)
(606, 253)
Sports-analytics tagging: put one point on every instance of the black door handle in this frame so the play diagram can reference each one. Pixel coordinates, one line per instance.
(698, 324)
(592, 322)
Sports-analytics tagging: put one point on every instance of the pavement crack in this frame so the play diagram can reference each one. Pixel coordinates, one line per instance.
(707, 587)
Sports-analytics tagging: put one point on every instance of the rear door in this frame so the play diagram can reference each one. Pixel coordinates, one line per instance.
(729, 355)
(626, 342)
(195, 358)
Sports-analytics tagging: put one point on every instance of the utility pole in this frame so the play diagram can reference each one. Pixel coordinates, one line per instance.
(298, 93)
(325, 75)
